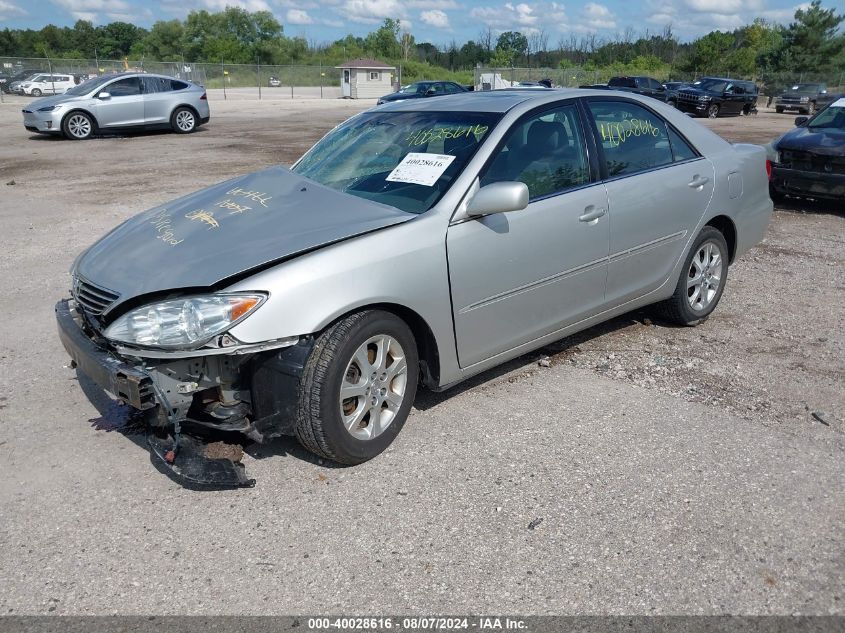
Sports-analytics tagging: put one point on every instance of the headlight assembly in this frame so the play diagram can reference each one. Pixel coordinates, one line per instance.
(184, 323)
(805, 99)
(49, 108)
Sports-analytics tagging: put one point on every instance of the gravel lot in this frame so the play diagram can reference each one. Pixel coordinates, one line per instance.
(675, 470)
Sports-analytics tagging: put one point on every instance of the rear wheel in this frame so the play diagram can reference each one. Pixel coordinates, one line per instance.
(712, 110)
(183, 121)
(779, 110)
(78, 126)
(357, 387)
(702, 280)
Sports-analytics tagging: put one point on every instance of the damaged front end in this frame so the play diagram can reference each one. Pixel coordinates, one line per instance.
(190, 396)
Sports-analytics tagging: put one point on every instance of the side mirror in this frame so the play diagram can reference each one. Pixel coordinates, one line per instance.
(498, 197)
(801, 120)
(104, 95)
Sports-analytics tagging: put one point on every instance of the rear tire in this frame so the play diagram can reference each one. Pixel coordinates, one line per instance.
(702, 280)
(779, 110)
(183, 120)
(372, 357)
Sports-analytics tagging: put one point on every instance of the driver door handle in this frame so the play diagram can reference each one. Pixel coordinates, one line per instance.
(698, 182)
(591, 213)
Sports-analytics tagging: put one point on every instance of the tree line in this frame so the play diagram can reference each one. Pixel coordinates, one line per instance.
(812, 43)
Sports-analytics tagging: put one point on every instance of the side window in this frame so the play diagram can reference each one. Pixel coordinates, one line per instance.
(681, 150)
(655, 85)
(633, 138)
(153, 85)
(451, 89)
(545, 151)
(124, 87)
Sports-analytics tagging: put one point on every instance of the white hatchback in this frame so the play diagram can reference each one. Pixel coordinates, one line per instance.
(48, 85)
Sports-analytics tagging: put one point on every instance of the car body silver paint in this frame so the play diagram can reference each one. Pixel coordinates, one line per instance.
(409, 263)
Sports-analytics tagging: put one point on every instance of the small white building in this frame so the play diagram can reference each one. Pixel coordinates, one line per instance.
(365, 79)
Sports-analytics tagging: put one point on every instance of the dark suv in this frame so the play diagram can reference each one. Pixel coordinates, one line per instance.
(715, 96)
(806, 98)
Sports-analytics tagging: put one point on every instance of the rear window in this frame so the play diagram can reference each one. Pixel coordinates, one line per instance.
(622, 82)
(177, 85)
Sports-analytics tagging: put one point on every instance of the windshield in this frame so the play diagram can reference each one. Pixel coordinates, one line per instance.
(89, 86)
(414, 88)
(713, 85)
(832, 117)
(407, 160)
(805, 88)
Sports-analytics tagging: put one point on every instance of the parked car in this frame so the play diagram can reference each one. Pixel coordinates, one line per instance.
(714, 96)
(123, 102)
(424, 241)
(672, 88)
(17, 78)
(274, 82)
(43, 84)
(16, 86)
(646, 86)
(422, 89)
(806, 98)
(809, 160)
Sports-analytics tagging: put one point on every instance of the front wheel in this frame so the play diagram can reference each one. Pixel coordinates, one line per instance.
(183, 121)
(78, 126)
(702, 280)
(712, 110)
(357, 387)
(36, 93)
(811, 109)
(779, 110)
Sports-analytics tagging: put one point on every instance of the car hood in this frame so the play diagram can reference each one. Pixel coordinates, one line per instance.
(398, 96)
(44, 102)
(238, 226)
(826, 142)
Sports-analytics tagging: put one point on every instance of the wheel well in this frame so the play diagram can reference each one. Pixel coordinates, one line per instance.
(725, 226)
(189, 107)
(423, 336)
(85, 112)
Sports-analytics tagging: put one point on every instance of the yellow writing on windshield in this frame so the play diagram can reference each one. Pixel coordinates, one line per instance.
(423, 137)
(203, 216)
(614, 134)
(164, 228)
(256, 196)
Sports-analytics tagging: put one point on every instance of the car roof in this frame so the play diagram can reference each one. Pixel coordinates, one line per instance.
(488, 100)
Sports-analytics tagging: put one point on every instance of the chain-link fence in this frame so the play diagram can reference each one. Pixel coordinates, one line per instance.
(769, 83)
(226, 81)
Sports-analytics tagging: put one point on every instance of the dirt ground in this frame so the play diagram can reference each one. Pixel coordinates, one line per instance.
(774, 350)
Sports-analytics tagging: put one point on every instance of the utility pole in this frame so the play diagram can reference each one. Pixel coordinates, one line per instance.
(258, 74)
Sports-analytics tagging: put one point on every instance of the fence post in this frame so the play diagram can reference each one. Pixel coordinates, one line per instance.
(52, 79)
(321, 78)
(223, 77)
(258, 75)
(291, 81)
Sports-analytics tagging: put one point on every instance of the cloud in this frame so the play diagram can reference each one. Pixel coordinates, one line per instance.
(111, 10)
(372, 11)
(436, 18)
(597, 17)
(432, 4)
(298, 16)
(9, 10)
(249, 5)
(508, 17)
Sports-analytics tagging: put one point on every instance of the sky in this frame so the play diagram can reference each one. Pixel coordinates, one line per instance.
(435, 21)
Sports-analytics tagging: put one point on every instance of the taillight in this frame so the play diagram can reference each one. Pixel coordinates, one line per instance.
(769, 169)
(204, 97)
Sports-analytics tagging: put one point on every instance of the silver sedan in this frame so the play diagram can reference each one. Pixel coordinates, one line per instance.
(120, 103)
(419, 242)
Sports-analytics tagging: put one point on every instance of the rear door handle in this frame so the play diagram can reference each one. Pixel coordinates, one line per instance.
(698, 182)
(591, 213)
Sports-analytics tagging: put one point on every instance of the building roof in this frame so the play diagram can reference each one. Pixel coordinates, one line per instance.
(364, 62)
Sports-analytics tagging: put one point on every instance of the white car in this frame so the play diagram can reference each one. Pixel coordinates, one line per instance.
(48, 85)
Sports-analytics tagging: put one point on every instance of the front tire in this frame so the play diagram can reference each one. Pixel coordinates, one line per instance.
(357, 387)
(702, 280)
(712, 110)
(78, 126)
(36, 93)
(811, 109)
(183, 120)
(779, 110)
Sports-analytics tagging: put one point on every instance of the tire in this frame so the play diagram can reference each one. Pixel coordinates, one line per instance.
(779, 110)
(345, 430)
(36, 93)
(811, 109)
(672, 103)
(712, 110)
(686, 307)
(746, 110)
(183, 120)
(78, 126)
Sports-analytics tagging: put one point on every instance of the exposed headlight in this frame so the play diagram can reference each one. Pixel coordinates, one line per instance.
(183, 323)
(805, 99)
(704, 98)
(49, 108)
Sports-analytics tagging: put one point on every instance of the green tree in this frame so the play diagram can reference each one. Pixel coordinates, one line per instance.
(811, 44)
(509, 47)
(384, 42)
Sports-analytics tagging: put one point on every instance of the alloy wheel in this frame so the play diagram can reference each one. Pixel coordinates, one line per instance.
(185, 120)
(704, 276)
(79, 126)
(373, 387)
